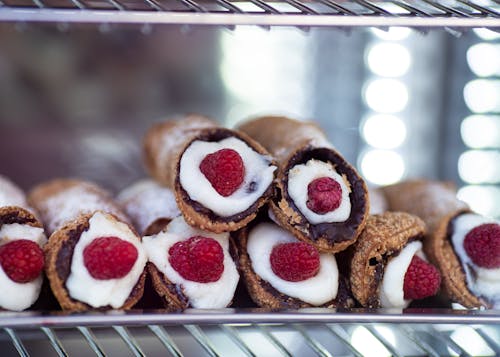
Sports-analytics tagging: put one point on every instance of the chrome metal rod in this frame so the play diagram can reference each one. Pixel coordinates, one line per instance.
(91, 340)
(165, 338)
(129, 340)
(312, 342)
(411, 334)
(275, 342)
(382, 340)
(18, 344)
(54, 341)
(235, 336)
(343, 336)
(202, 339)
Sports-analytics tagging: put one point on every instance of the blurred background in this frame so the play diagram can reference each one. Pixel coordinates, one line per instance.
(75, 100)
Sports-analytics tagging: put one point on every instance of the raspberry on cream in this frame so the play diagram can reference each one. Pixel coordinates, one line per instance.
(318, 289)
(21, 292)
(320, 193)
(257, 175)
(481, 281)
(179, 242)
(103, 290)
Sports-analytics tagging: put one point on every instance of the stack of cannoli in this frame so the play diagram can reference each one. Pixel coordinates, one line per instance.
(464, 245)
(22, 238)
(94, 257)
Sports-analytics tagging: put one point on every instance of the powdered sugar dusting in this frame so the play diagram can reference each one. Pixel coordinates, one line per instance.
(146, 201)
(69, 204)
(10, 194)
(179, 134)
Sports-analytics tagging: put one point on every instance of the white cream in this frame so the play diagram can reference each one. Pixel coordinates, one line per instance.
(317, 290)
(257, 170)
(146, 201)
(98, 293)
(300, 176)
(15, 231)
(392, 287)
(212, 295)
(10, 194)
(19, 296)
(481, 281)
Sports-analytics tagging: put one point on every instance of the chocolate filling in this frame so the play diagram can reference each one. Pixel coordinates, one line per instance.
(13, 217)
(65, 258)
(216, 135)
(336, 231)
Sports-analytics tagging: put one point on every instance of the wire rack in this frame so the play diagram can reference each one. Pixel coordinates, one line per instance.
(412, 13)
(235, 333)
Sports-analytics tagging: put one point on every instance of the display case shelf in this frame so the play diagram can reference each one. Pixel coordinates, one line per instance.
(411, 13)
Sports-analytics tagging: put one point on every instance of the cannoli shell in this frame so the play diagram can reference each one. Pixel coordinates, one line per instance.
(58, 253)
(165, 142)
(429, 200)
(384, 235)
(163, 163)
(378, 202)
(57, 215)
(149, 205)
(14, 214)
(439, 250)
(265, 295)
(293, 142)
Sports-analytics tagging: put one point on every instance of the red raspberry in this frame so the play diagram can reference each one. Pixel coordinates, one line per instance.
(22, 260)
(224, 170)
(109, 258)
(324, 195)
(295, 261)
(197, 259)
(421, 279)
(482, 245)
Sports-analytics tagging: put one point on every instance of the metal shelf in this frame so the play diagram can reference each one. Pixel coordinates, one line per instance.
(411, 13)
(251, 339)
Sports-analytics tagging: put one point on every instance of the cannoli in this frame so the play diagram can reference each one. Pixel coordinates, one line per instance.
(21, 256)
(281, 271)
(94, 258)
(429, 200)
(465, 246)
(149, 205)
(190, 267)
(320, 197)
(388, 266)
(220, 177)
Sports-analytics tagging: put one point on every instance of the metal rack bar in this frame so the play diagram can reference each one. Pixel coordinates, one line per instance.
(343, 336)
(235, 336)
(494, 345)
(202, 339)
(312, 342)
(154, 5)
(91, 340)
(303, 8)
(116, 5)
(129, 341)
(382, 340)
(449, 342)
(18, 344)
(165, 338)
(483, 9)
(412, 335)
(274, 341)
(54, 341)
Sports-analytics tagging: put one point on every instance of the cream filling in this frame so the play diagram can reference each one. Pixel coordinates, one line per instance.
(217, 294)
(98, 293)
(19, 296)
(300, 176)
(257, 170)
(392, 288)
(317, 290)
(480, 281)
